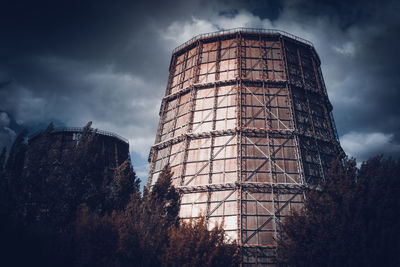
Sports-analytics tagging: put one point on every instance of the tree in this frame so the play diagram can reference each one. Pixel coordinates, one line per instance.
(350, 220)
(96, 239)
(145, 223)
(63, 208)
(192, 244)
(23, 243)
(376, 215)
(58, 180)
(164, 197)
(43, 187)
(125, 183)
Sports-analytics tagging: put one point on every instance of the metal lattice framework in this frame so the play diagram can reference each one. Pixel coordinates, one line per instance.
(246, 127)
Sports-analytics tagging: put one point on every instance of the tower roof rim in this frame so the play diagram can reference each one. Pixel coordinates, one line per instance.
(242, 30)
(79, 130)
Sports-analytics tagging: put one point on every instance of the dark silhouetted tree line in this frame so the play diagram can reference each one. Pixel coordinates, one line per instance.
(70, 210)
(352, 219)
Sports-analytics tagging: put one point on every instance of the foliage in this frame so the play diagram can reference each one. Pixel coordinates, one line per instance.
(350, 220)
(43, 187)
(97, 237)
(66, 209)
(145, 223)
(192, 244)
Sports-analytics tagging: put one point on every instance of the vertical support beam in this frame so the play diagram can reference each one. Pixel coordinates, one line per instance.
(164, 103)
(218, 60)
(311, 117)
(183, 76)
(300, 162)
(327, 113)
(261, 47)
(213, 127)
(163, 107)
(212, 143)
(214, 118)
(273, 181)
(320, 79)
(193, 93)
(266, 113)
(172, 68)
(198, 61)
(273, 60)
(239, 139)
(242, 57)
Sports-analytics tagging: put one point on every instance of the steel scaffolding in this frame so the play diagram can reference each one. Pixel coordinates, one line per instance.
(246, 127)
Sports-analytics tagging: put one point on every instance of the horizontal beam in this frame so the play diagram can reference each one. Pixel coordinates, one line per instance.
(247, 131)
(249, 186)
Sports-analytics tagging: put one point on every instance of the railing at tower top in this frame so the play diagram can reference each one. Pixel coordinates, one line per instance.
(80, 129)
(242, 30)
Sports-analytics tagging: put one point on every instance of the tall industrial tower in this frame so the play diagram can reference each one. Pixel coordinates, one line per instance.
(246, 126)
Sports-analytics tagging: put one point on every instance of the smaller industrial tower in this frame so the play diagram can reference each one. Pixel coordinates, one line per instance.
(246, 126)
(64, 140)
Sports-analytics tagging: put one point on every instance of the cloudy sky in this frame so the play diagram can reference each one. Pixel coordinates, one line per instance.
(71, 62)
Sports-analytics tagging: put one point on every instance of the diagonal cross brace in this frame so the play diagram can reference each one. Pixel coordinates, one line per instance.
(176, 154)
(259, 203)
(212, 158)
(212, 110)
(270, 218)
(227, 49)
(252, 67)
(219, 204)
(268, 158)
(261, 110)
(268, 109)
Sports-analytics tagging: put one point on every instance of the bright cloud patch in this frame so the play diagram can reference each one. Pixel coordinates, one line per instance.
(179, 32)
(364, 145)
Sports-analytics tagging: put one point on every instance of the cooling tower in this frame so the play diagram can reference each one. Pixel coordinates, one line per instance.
(246, 126)
(115, 148)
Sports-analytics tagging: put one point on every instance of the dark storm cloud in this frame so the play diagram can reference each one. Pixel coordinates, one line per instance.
(357, 42)
(76, 61)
